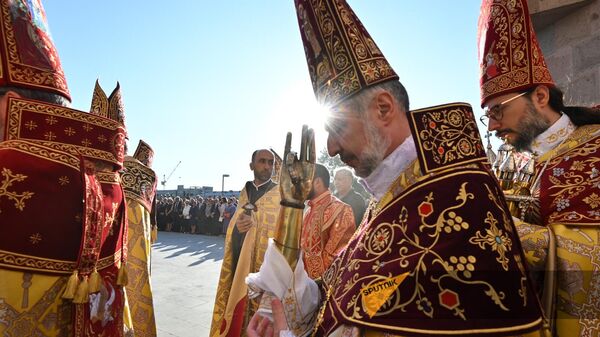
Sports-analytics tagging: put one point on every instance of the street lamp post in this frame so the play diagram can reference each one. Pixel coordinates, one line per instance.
(223, 183)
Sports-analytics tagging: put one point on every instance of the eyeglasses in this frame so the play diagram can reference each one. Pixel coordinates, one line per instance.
(495, 112)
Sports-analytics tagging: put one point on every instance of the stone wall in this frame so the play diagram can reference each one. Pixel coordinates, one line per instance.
(569, 35)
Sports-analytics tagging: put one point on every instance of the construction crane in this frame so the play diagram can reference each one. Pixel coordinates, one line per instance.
(165, 179)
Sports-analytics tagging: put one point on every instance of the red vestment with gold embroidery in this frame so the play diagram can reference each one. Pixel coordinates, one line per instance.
(62, 214)
(326, 229)
(447, 232)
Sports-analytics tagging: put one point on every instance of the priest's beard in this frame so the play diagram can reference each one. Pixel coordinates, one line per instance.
(311, 194)
(531, 125)
(374, 151)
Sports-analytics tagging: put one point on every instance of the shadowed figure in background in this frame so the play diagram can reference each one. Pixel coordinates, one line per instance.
(342, 180)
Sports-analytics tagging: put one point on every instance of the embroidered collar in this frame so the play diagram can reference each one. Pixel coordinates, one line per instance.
(261, 185)
(553, 136)
(386, 173)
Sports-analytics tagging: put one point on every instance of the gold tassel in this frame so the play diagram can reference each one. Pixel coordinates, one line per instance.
(95, 282)
(71, 286)
(122, 278)
(83, 291)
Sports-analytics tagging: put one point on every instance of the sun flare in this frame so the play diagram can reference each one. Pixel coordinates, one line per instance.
(297, 106)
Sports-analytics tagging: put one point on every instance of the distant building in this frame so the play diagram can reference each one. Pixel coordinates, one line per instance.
(569, 35)
(204, 191)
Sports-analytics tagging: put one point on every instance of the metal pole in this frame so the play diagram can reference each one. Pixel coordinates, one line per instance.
(223, 183)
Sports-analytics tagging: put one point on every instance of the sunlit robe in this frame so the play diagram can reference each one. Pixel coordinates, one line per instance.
(233, 309)
(139, 183)
(326, 229)
(569, 205)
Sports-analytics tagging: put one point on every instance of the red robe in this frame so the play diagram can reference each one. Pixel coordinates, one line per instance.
(326, 230)
(61, 211)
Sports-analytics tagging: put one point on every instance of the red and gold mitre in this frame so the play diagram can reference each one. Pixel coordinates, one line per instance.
(341, 55)
(110, 107)
(144, 153)
(510, 58)
(28, 57)
(139, 182)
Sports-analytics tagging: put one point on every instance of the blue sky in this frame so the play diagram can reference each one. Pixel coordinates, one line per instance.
(207, 82)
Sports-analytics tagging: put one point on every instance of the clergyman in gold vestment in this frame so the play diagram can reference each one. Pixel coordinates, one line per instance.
(139, 183)
(245, 244)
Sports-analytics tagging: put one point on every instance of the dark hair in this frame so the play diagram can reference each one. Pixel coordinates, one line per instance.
(323, 173)
(399, 92)
(579, 115)
(360, 101)
(39, 95)
(257, 151)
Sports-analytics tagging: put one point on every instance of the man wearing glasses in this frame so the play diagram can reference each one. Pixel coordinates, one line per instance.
(523, 106)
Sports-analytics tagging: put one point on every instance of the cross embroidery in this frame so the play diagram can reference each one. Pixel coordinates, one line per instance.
(87, 127)
(35, 238)
(101, 138)
(63, 180)
(31, 125)
(110, 218)
(86, 142)
(51, 120)
(50, 136)
(69, 131)
(9, 179)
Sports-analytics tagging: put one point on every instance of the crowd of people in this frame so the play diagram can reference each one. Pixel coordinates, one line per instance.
(195, 214)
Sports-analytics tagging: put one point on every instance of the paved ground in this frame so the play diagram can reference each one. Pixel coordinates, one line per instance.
(185, 272)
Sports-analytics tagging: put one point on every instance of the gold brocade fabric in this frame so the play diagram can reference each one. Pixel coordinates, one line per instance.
(139, 290)
(578, 295)
(326, 230)
(383, 334)
(578, 264)
(31, 305)
(232, 288)
(348, 332)
(571, 212)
